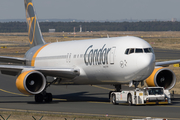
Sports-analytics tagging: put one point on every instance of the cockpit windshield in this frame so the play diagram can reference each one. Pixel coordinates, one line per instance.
(131, 50)
(138, 50)
(148, 50)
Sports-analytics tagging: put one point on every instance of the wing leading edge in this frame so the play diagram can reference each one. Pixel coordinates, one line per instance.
(167, 63)
(69, 73)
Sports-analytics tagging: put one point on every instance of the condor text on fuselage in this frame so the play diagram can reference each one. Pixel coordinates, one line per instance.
(96, 56)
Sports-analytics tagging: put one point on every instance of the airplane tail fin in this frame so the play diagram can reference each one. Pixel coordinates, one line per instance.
(34, 31)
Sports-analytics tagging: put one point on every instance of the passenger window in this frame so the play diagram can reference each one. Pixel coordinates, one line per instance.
(131, 50)
(127, 51)
(138, 50)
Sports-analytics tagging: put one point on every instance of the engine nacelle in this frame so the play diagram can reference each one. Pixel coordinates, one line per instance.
(162, 77)
(31, 82)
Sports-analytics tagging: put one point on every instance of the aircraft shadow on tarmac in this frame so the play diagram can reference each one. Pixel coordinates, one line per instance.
(82, 96)
(77, 97)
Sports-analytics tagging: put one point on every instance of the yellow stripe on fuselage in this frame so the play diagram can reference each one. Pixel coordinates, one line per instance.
(35, 55)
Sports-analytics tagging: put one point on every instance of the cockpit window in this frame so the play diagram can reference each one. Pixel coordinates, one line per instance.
(127, 51)
(148, 50)
(131, 50)
(138, 50)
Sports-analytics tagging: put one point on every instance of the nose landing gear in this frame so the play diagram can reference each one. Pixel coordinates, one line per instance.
(118, 89)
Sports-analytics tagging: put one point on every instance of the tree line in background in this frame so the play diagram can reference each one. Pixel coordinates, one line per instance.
(93, 26)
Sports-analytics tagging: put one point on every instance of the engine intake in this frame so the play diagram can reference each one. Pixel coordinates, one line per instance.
(162, 77)
(31, 82)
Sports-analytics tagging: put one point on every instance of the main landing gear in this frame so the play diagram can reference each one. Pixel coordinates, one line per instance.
(47, 97)
(44, 96)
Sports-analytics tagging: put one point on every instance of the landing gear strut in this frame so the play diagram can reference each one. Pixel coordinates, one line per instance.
(118, 89)
(44, 96)
(136, 83)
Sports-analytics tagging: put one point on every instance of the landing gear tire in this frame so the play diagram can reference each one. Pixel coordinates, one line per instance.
(48, 98)
(129, 99)
(39, 98)
(114, 99)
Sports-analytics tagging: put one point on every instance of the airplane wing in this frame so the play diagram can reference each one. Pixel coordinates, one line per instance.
(12, 60)
(60, 72)
(167, 63)
(55, 72)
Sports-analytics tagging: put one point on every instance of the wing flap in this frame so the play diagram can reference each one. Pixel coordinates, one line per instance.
(69, 73)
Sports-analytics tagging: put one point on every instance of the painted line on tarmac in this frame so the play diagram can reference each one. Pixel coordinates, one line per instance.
(107, 103)
(169, 106)
(102, 87)
(176, 101)
(99, 102)
(27, 95)
(13, 93)
(60, 99)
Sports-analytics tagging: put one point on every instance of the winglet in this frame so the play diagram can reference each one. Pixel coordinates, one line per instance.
(34, 31)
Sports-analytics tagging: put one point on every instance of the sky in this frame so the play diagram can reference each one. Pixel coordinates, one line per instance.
(94, 9)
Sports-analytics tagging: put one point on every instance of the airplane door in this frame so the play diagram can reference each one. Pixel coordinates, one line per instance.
(112, 54)
(68, 59)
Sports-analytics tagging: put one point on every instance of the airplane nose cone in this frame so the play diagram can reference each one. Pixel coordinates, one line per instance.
(146, 63)
(143, 61)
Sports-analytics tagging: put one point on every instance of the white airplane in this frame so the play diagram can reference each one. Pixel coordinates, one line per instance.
(113, 61)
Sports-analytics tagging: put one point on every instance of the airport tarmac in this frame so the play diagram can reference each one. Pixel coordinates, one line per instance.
(81, 100)
(166, 54)
(86, 99)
